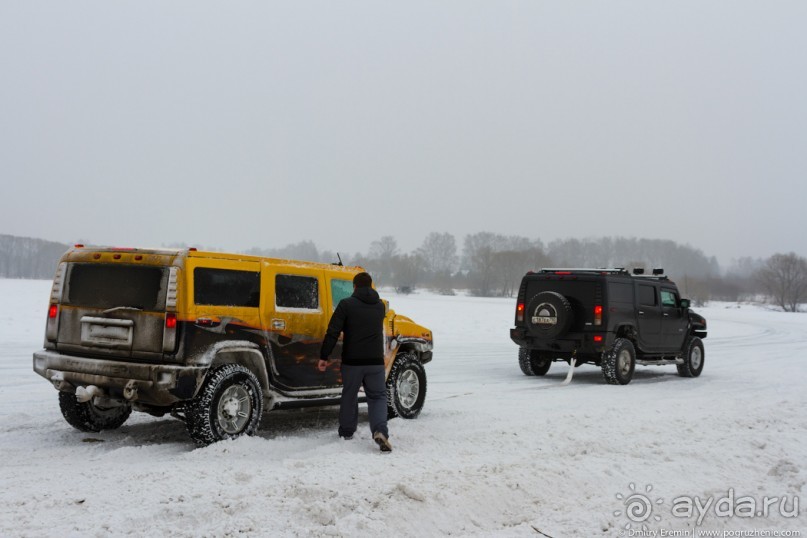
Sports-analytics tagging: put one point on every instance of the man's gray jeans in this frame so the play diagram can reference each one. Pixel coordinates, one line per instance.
(373, 378)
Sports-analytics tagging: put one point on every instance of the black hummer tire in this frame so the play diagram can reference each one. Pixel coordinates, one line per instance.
(87, 417)
(207, 416)
(406, 386)
(619, 362)
(532, 362)
(563, 310)
(693, 358)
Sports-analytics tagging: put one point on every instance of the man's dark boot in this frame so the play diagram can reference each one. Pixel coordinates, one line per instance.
(382, 442)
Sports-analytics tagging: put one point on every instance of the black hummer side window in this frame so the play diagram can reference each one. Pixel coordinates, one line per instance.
(292, 291)
(668, 298)
(619, 292)
(226, 287)
(647, 295)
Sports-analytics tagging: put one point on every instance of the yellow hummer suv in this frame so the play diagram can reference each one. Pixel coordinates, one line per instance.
(212, 338)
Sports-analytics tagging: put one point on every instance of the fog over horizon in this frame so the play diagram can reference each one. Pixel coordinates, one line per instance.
(260, 125)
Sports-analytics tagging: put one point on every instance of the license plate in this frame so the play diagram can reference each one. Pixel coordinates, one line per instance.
(537, 320)
(106, 332)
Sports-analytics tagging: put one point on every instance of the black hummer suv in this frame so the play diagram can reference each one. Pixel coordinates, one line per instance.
(607, 317)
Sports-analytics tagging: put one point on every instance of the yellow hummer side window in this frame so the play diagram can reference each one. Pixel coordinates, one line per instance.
(226, 287)
(297, 291)
(340, 289)
(223, 288)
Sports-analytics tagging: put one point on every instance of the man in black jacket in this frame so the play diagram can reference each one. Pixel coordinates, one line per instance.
(361, 318)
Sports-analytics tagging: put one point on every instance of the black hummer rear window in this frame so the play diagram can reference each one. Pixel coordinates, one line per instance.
(96, 285)
(647, 295)
(226, 287)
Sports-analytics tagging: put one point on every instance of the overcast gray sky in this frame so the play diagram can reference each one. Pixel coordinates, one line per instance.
(240, 124)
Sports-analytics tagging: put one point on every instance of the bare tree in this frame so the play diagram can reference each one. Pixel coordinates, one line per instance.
(439, 253)
(496, 263)
(739, 281)
(384, 249)
(380, 258)
(480, 260)
(696, 289)
(407, 270)
(784, 277)
(510, 267)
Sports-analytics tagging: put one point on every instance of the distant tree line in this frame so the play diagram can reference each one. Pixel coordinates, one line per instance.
(304, 250)
(25, 257)
(491, 265)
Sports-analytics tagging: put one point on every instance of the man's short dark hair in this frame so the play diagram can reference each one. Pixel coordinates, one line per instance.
(363, 280)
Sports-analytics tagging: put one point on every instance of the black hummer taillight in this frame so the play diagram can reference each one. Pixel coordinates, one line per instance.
(520, 306)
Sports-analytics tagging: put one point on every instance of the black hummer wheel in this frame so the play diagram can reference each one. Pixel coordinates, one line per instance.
(88, 417)
(228, 405)
(532, 362)
(693, 358)
(618, 362)
(406, 387)
(549, 315)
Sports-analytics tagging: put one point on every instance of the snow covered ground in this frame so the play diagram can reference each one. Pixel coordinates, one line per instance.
(494, 453)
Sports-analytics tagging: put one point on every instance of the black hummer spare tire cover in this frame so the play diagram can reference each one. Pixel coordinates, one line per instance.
(549, 315)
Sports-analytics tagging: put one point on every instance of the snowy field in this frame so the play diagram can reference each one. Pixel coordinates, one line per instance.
(494, 453)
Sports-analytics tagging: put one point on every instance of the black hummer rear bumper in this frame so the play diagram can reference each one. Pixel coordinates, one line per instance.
(579, 343)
